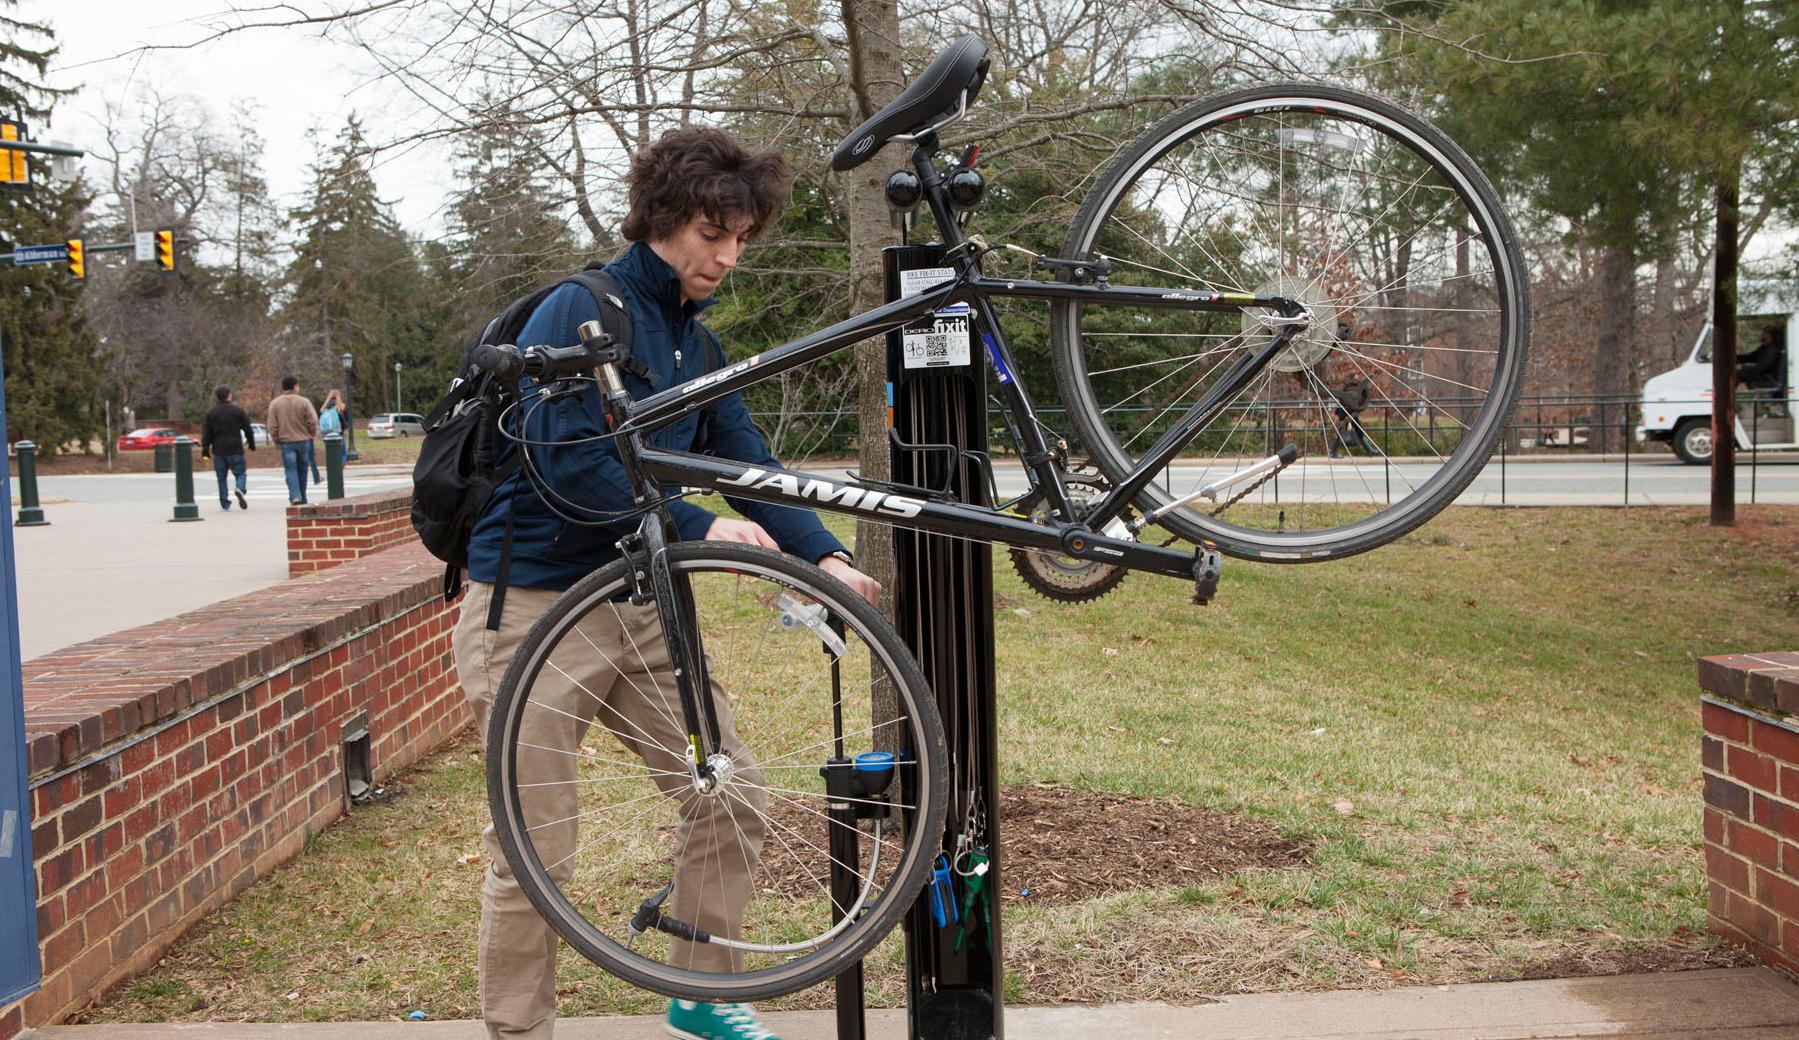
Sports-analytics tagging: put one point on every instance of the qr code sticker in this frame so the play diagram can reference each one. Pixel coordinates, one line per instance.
(936, 346)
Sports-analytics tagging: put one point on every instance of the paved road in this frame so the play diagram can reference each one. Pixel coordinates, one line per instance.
(1559, 481)
(1540, 481)
(266, 486)
(111, 559)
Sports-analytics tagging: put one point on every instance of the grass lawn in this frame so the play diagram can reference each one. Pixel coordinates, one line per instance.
(1487, 733)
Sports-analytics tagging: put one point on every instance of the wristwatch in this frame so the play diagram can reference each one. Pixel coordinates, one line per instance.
(838, 554)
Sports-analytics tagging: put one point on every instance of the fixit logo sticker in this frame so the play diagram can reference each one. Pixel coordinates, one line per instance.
(826, 493)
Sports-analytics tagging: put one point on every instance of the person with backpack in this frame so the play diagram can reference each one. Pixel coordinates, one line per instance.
(331, 415)
(697, 197)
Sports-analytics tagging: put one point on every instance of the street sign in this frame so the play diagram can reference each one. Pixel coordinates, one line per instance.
(40, 255)
(145, 243)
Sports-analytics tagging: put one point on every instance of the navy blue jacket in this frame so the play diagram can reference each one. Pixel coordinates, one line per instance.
(551, 553)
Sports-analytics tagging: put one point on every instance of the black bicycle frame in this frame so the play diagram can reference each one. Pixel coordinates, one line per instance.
(651, 468)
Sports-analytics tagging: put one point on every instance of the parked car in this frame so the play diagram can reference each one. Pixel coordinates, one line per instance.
(397, 424)
(146, 438)
(261, 433)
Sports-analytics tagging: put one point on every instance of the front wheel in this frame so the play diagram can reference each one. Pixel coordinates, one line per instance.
(1416, 296)
(1693, 442)
(624, 846)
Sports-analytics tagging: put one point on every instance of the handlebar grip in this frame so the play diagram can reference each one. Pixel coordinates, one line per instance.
(503, 360)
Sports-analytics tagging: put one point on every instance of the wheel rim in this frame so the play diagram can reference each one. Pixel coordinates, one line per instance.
(1699, 442)
(1366, 219)
(767, 648)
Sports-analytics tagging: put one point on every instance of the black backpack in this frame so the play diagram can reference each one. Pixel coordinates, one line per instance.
(456, 474)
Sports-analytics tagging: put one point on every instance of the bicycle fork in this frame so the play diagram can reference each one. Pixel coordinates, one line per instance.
(653, 581)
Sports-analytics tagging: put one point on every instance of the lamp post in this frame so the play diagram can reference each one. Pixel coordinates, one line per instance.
(350, 455)
(399, 403)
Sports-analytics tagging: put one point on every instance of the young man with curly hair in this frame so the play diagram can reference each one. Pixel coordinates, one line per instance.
(697, 199)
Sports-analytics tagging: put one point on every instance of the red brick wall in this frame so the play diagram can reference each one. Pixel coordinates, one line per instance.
(325, 534)
(1750, 761)
(174, 764)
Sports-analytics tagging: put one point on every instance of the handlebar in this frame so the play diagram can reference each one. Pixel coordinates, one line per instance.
(510, 363)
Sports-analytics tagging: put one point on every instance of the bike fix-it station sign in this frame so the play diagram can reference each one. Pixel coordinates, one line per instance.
(942, 341)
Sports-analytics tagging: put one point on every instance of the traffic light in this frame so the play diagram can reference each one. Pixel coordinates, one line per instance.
(77, 263)
(165, 249)
(14, 173)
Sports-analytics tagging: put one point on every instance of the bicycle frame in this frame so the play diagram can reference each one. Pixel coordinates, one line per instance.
(1086, 538)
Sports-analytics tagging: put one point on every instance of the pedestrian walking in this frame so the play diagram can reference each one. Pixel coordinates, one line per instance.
(293, 424)
(225, 434)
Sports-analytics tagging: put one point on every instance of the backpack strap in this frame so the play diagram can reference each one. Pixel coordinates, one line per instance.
(498, 601)
(615, 317)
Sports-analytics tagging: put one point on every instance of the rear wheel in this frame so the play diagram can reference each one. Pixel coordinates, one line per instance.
(608, 829)
(1398, 248)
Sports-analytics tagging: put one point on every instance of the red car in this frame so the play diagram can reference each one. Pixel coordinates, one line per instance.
(146, 438)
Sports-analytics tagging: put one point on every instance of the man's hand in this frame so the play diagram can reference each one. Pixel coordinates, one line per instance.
(725, 529)
(863, 585)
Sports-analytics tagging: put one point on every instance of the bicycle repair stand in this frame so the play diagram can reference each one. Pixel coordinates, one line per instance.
(943, 607)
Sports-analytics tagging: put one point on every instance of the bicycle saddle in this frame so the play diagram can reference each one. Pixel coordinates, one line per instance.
(935, 94)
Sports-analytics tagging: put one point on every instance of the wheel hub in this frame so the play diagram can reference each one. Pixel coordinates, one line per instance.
(1310, 344)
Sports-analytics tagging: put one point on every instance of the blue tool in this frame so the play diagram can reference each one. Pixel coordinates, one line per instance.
(943, 895)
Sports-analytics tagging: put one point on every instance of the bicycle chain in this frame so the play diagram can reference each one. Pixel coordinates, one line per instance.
(1239, 496)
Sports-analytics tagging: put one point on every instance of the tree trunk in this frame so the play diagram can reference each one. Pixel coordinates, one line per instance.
(872, 27)
(1612, 347)
(1724, 355)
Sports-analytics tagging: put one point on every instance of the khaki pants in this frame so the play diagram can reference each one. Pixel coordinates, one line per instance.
(615, 672)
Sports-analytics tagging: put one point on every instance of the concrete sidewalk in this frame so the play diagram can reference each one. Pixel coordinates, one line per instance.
(1724, 1004)
(111, 559)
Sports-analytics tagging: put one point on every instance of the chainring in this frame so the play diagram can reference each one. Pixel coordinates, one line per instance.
(1064, 578)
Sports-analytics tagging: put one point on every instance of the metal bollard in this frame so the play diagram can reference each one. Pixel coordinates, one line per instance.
(334, 465)
(30, 513)
(185, 509)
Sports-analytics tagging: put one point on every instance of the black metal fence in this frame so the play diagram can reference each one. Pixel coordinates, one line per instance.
(1571, 425)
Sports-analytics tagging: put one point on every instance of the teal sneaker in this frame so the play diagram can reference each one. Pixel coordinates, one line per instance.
(695, 1021)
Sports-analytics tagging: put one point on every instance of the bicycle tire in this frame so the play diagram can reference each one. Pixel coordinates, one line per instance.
(590, 831)
(1372, 217)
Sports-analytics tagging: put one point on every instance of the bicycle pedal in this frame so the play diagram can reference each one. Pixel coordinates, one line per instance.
(1207, 568)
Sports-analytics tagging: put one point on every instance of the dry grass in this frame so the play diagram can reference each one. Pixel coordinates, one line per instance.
(1486, 734)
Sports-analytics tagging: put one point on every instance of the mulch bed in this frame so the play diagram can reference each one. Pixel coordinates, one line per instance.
(1063, 845)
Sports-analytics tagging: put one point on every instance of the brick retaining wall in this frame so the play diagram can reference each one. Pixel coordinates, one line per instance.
(1750, 760)
(174, 764)
(325, 534)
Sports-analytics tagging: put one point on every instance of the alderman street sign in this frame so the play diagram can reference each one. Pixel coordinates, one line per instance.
(40, 255)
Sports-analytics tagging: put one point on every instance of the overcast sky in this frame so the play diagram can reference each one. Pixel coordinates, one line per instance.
(298, 83)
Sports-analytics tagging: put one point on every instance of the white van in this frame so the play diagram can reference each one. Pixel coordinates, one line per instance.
(1677, 405)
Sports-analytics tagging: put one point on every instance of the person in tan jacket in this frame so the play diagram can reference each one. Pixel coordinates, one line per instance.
(293, 424)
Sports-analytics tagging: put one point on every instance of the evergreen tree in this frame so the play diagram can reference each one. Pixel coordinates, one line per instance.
(355, 284)
(47, 351)
(508, 236)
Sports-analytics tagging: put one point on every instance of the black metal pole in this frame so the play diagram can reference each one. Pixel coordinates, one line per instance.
(185, 509)
(30, 513)
(334, 465)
